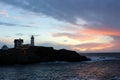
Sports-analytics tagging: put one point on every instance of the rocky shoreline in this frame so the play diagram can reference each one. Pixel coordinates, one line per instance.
(37, 54)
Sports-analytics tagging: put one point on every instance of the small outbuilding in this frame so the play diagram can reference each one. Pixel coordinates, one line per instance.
(4, 47)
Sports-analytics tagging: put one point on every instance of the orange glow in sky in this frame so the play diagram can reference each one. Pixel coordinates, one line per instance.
(82, 25)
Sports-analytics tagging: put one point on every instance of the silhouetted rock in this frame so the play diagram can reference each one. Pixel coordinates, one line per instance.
(35, 54)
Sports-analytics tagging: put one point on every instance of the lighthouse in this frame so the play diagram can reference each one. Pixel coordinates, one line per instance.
(32, 40)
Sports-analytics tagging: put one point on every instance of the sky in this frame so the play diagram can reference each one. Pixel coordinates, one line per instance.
(80, 25)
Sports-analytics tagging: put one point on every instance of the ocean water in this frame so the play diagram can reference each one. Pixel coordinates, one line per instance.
(100, 68)
(43, 71)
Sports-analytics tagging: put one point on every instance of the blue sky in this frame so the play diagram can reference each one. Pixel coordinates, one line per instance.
(81, 25)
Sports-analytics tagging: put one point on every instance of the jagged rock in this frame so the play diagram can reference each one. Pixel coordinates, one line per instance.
(36, 54)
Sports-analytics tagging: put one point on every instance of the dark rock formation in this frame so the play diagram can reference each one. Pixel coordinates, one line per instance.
(36, 54)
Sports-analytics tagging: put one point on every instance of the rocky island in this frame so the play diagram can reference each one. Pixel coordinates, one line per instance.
(37, 54)
(29, 53)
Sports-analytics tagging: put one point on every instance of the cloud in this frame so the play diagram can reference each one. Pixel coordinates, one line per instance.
(37, 35)
(4, 12)
(113, 46)
(19, 34)
(96, 12)
(18, 17)
(102, 31)
(7, 24)
(56, 45)
(93, 47)
(79, 37)
(13, 24)
(92, 38)
(98, 35)
(94, 23)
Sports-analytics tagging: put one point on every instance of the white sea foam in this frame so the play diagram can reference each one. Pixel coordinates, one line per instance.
(94, 59)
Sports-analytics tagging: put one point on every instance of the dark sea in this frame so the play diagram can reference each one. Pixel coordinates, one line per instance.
(101, 67)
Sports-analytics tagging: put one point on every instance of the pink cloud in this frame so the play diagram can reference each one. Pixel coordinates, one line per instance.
(91, 38)
(93, 47)
(103, 31)
(4, 12)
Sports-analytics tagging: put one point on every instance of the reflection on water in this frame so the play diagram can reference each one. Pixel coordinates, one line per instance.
(101, 70)
(48, 71)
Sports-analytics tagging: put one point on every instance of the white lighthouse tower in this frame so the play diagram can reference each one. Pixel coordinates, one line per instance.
(32, 40)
